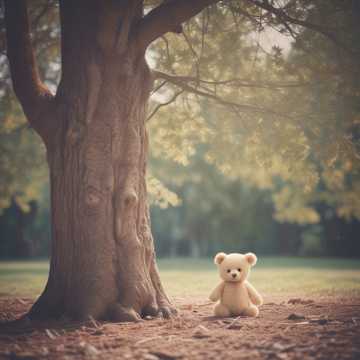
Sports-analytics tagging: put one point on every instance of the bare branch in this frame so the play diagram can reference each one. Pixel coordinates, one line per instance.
(31, 92)
(167, 47)
(181, 83)
(231, 82)
(194, 54)
(157, 88)
(159, 106)
(167, 17)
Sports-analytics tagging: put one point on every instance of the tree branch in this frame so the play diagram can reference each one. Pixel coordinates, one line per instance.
(238, 82)
(172, 99)
(168, 17)
(179, 82)
(31, 92)
(283, 17)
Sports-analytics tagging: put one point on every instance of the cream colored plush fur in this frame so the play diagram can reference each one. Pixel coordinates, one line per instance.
(235, 294)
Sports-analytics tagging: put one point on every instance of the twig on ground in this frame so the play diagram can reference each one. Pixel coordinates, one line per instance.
(50, 334)
(234, 324)
(142, 341)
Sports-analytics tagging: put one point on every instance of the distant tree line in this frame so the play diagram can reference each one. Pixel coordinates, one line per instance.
(215, 213)
(258, 150)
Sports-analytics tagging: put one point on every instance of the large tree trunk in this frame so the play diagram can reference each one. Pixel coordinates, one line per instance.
(103, 259)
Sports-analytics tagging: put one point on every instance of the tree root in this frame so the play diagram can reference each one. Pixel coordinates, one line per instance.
(121, 313)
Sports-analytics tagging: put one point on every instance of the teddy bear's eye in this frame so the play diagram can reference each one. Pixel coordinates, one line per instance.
(239, 270)
(228, 270)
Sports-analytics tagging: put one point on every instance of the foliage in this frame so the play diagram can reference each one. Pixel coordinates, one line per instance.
(216, 213)
(24, 174)
(22, 161)
(267, 116)
(258, 111)
(161, 195)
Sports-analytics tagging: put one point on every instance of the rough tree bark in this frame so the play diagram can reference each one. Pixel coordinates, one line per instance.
(103, 260)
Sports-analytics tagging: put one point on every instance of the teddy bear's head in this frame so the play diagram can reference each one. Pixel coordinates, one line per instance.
(234, 267)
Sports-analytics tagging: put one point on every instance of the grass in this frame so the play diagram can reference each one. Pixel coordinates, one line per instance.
(196, 277)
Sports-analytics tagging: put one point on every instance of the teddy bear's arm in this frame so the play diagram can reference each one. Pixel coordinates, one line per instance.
(217, 292)
(255, 297)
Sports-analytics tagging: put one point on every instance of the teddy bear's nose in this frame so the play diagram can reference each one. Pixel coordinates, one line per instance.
(234, 275)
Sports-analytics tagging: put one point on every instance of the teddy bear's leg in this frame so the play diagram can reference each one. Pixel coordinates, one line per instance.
(252, 310)
(221, 311)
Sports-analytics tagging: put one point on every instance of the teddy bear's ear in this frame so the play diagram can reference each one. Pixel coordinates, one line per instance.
(219, 258)
(251, 258)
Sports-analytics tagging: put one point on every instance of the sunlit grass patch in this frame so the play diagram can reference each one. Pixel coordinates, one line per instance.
(271, 276)
(196, 277)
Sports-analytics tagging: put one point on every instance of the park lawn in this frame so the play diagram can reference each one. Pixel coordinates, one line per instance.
(195, 278)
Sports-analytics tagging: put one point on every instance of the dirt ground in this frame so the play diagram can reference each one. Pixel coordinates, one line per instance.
(287, 328)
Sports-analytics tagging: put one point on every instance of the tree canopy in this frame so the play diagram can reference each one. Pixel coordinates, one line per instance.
(268, 90)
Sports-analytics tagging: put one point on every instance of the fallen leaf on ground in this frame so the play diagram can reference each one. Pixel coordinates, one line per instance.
(164, 355)
(201, 332)
(294, 316)
(300, 301)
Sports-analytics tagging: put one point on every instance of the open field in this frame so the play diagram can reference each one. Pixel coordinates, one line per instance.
(273, 276)
(311, 311)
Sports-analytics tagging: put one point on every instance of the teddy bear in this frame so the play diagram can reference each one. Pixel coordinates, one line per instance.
(235, 294)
